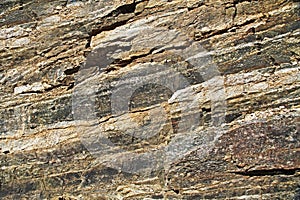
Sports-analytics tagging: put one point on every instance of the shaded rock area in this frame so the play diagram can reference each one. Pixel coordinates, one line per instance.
(150, 99)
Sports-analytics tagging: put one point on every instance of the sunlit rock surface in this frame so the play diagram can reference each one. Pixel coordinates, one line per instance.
(150, 99)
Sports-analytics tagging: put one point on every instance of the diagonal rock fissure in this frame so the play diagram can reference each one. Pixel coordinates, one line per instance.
(268, 172)
(122, 10)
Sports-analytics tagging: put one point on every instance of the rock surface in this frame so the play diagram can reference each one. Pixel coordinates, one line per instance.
(150, 99)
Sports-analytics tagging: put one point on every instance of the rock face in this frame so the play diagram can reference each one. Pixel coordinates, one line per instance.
(150, 99)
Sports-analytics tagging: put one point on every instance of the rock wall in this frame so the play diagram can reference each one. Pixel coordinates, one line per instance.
(149, 99)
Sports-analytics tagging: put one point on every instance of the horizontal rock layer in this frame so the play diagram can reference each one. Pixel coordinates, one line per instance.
(149, 99)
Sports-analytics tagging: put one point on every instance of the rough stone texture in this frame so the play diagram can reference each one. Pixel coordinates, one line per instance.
(48, 49)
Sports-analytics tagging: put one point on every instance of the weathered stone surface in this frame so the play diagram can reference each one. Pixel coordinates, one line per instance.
(149, 99)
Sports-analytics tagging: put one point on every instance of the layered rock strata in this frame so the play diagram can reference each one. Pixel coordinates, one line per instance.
(149, 99)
